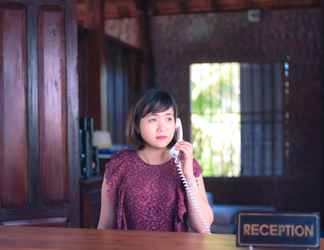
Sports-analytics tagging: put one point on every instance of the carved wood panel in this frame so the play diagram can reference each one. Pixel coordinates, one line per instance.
(39, 155)
(13, 115)
(52, 106)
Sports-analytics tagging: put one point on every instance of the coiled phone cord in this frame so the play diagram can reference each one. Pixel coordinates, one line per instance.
(191, 196)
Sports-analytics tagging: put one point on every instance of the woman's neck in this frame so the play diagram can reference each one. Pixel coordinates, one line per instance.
(154, 156)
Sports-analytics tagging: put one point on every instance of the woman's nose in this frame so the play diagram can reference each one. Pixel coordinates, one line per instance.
(161, 126)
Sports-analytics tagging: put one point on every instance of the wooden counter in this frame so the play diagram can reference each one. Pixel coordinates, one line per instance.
(27, 238)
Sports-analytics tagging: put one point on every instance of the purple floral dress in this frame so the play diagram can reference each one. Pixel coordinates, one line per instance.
(146, 197)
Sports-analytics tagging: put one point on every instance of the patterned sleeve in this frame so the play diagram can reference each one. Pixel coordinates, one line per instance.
(113, 174)
(196, 168)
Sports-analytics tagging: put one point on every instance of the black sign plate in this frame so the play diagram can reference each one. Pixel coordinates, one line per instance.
(278, 230)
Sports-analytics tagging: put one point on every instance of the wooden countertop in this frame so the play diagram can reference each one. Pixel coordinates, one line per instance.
(27, 238)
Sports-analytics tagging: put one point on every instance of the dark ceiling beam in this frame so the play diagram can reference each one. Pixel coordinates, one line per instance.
(145, 6)
(155, 7)
(140, 5)
(215, 5)
(183, 6)
(124, 12)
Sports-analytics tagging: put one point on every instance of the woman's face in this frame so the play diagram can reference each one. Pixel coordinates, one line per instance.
(157, 129)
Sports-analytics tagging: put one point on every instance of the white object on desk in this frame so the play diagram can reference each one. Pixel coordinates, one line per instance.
(101, 139)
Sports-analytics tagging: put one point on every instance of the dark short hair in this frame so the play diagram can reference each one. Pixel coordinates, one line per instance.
(152, 101)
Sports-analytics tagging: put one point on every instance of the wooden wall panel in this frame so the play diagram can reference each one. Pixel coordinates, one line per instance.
(39, 143)
(52, 106)
(13, 115)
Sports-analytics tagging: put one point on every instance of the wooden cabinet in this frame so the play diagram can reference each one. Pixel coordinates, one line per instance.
(39, 155)
(90, 202)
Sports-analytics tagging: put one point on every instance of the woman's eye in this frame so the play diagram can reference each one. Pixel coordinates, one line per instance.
(152, 120)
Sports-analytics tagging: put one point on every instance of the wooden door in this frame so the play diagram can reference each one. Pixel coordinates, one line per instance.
(39, 165)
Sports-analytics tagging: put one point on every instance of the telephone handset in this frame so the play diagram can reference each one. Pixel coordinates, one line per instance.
(173, 152)
(191, 196)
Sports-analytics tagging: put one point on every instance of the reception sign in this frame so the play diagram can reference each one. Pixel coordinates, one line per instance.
(278, 229)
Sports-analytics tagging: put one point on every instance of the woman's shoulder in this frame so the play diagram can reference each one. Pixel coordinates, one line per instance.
(117, 163)
(121, 156)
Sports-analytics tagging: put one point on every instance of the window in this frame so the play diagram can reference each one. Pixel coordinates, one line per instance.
(238, 118)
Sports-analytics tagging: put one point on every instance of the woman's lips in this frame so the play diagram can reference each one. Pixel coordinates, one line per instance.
(161, 137)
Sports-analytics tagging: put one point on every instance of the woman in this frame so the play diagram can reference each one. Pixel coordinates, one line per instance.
(142, 189)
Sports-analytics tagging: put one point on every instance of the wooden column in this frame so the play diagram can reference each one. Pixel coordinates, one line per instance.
(94, 22)
(148, 69)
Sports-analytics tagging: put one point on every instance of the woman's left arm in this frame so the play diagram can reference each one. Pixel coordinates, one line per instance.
(203, 218)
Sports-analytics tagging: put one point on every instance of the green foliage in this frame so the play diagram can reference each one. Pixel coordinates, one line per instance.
(215, 104)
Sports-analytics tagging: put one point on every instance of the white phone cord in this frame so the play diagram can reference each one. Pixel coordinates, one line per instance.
(191, 195)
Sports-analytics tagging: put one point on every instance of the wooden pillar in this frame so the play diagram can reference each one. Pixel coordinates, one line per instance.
(94, 22)
(148, 69)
